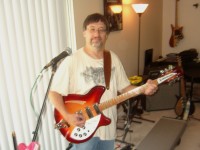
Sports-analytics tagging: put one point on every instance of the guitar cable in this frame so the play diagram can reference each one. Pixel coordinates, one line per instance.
(33, 89)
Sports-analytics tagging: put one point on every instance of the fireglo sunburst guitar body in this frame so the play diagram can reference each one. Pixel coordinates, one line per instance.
(90, 107)
(86, 105)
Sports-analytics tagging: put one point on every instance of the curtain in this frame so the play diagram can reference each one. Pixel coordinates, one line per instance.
(32, 32)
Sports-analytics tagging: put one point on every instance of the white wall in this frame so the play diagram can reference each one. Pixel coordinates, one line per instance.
(188, 17)
(125, 42)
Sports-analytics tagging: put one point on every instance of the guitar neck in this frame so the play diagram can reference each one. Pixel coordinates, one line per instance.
(183, 92)
(121, 98)
(134, 92)
(176, 14)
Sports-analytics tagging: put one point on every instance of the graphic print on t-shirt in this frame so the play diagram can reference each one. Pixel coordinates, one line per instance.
(95, 75)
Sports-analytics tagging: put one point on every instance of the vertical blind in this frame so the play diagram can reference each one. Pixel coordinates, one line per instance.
(32, 32)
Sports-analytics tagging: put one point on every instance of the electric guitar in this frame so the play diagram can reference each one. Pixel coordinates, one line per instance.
(177, 34)
(181, 104)
(88, 105)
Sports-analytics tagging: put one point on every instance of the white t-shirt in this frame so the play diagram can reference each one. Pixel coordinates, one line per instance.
(79, 73)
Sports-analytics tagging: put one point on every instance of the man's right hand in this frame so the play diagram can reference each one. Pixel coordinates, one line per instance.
(75, 119)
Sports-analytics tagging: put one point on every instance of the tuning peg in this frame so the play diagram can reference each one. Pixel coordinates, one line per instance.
(196, 5)
(166, 69)
(162, 71)
(170, 67)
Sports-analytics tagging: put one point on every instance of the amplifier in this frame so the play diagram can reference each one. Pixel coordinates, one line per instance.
(164, 98)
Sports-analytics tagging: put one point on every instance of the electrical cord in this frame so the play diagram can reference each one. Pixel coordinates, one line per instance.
(33, 89)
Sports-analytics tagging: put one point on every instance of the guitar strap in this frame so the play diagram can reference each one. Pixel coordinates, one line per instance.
(107, 68)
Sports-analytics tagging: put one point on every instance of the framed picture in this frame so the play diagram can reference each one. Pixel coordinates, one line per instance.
(111, 1)
(114, 19)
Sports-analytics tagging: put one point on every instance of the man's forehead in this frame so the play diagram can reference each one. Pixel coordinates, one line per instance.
(99, 24)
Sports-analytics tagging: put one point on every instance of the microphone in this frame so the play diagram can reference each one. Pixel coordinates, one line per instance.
(62, 55)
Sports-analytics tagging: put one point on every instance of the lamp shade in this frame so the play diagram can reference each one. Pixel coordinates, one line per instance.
(139, 8)
(116, 8)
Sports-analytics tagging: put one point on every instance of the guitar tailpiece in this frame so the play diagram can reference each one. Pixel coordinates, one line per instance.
(61, 124)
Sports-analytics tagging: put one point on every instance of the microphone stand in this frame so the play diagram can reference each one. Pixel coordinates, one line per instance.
(126, 127)
(35, 132)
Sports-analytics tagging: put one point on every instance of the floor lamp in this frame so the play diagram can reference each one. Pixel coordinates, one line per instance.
(139, 9)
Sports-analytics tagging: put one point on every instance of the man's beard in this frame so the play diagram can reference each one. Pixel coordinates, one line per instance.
(96, 44)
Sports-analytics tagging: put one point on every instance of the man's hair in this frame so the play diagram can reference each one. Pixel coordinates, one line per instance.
(96, 17)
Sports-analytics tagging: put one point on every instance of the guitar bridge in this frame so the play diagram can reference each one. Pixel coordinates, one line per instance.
(61, 124)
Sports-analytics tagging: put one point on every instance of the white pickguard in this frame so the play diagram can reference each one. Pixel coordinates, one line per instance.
(90, 127)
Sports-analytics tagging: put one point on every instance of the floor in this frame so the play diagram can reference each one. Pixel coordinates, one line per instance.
(133, 133)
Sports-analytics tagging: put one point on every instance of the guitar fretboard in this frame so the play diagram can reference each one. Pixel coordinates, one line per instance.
(132, 93)
(176, 14)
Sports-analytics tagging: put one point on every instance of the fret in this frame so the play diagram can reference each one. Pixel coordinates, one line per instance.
(135, 92)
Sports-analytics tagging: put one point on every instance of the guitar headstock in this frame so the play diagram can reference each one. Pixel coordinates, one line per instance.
(170, 75)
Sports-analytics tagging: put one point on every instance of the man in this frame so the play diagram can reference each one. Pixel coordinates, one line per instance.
(84, 70)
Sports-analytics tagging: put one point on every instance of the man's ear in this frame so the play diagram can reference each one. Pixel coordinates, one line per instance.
(106, 36)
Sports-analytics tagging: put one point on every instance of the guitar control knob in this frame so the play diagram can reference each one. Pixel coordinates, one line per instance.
(80, 135)
(75, 134)
(85, 134)
(78, 129)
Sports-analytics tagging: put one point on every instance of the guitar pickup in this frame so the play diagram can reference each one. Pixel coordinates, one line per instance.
(89, 112)
(96, 108)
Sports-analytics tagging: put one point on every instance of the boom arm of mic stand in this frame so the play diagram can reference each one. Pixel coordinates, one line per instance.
(35, 132)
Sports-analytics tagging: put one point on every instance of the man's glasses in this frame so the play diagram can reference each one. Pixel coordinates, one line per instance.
(100, 30)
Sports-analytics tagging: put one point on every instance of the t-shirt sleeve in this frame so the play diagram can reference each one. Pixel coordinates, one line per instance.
(61, 78)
